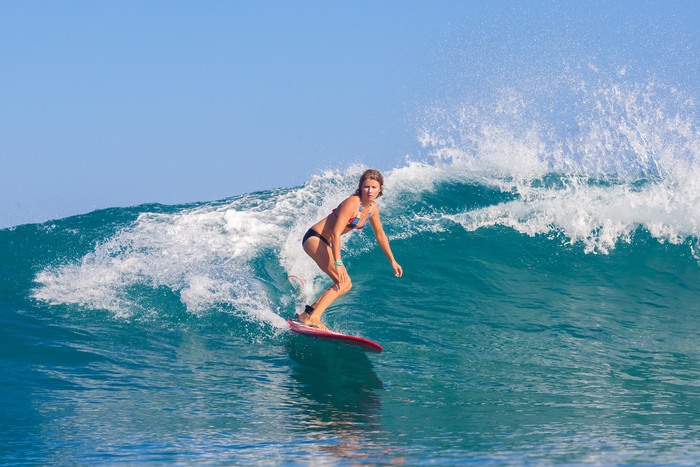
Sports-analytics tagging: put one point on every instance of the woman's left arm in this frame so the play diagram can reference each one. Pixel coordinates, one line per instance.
(383, 241)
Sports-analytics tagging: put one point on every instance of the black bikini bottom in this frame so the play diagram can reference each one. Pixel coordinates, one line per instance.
(312, 233)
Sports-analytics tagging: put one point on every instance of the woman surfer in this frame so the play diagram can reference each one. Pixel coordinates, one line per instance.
(322, 242)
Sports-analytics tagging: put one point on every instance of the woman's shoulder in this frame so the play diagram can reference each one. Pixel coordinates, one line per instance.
(353, 200)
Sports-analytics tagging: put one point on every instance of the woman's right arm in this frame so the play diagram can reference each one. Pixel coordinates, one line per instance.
(345, 211)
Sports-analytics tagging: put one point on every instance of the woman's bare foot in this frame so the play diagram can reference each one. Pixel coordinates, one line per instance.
(308, 320)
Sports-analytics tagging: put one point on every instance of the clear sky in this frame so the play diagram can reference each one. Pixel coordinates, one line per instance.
(118, 103)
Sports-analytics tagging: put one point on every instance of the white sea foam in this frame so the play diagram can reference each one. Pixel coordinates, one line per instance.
(597, 217)
(201, 253)
(631, 160)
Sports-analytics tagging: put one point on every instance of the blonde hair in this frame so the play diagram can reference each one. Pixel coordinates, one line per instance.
(370, 174)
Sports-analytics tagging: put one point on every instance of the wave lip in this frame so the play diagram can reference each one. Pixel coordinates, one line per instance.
(627, 157)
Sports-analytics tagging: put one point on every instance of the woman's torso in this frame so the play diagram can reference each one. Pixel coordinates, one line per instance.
(358, 221)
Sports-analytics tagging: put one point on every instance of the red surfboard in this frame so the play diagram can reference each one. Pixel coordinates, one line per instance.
(364, 344)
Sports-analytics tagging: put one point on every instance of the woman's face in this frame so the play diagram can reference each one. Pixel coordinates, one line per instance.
(370, 190)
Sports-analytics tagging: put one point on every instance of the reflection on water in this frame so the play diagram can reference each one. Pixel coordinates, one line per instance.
(339, 395)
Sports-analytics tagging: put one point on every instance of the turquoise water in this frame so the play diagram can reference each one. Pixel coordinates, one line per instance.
(548, 312)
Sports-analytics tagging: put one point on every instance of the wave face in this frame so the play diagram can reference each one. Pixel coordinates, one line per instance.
(548, 313)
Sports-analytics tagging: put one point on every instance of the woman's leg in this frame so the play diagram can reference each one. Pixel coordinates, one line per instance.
(323, 256)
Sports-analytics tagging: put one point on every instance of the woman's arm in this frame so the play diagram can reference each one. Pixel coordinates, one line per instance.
(344, 212)
(383, 241)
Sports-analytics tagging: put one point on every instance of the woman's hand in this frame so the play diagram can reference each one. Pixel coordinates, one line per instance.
(398, 271)
(342, 273)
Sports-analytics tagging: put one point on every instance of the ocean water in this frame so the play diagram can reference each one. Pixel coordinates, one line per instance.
(549, 311)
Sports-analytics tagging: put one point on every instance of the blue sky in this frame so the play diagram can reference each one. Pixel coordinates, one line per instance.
(121, 103)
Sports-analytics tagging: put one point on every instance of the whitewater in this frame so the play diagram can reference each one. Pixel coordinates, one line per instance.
(548, 311)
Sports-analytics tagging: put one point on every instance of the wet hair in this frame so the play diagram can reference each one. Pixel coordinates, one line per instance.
(370, 174)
